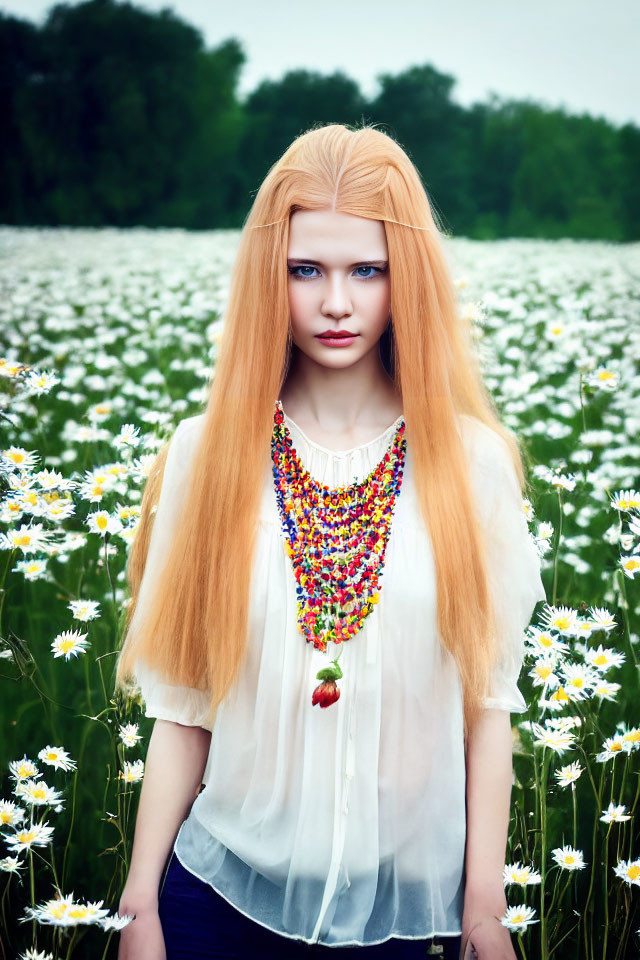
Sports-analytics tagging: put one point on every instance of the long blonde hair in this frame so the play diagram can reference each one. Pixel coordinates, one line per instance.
(195, 632)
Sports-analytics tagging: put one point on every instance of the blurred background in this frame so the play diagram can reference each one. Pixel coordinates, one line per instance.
(522, 118)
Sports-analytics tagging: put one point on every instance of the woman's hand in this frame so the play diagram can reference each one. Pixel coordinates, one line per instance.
(485, 938)
(141, 939)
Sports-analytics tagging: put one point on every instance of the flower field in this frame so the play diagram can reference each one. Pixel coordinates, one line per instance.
(107, 339)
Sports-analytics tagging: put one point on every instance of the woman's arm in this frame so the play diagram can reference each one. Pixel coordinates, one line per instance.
(488, 791)
(174, 767)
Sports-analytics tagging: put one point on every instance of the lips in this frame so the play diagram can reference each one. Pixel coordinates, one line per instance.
(338, 335)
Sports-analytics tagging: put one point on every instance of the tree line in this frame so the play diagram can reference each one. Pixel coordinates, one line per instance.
(116, 115)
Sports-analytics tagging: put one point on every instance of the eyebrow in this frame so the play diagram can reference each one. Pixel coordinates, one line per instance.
(358, 263)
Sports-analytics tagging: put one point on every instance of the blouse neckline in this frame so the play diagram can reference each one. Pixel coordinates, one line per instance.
(340, 453)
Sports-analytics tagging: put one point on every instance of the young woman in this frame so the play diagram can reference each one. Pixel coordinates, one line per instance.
(330, 586)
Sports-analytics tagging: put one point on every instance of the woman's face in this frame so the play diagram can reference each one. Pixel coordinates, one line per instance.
(338, 281)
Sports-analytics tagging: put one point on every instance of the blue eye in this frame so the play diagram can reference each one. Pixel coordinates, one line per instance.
(294, 272)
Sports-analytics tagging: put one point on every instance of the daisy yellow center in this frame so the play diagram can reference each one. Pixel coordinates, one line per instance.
(600, 660)
(616, 746)
(101, 409)
(5, 817)
(546, 641)
(17, 457)
(52, 756)
(68, 644)
(519, 918)
(38, 792)
(577, 682)
(78, 912)
(562, 624)
(23, 540)
(633, 736)
(24, 771)
(27, 836)
(570, 858)
(633, 872)
(59, 912)
(101, 522)
(606, 375)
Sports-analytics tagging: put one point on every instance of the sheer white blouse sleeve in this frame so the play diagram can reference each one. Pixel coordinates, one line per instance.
(513, 559)
(165, 701)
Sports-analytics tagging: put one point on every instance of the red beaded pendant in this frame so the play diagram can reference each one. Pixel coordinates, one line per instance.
(336, 540)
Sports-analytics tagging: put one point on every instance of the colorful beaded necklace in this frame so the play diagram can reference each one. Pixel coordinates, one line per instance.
(336, 540)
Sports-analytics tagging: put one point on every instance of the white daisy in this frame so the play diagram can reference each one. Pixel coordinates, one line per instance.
(129, 734)
(35, 835)
(613, 747)
(129, 436)
(578, 680)
(556, 740)
(568, 774)
(28, 538)
(562, 619)
(23, 769)
(37, 793)
(19, 457)
(57, 757)
(518, 918)
(603, 658)
(69, 643)
(132, 771)
(520, 875)
(102, 522)
(629, 871)
(630, 566)
(603, 618)
(568, 858)
(39, 382)
(605, 690)
(33, 569)
(11, 864)
(548, 642)
(616, 813)
(116, 921)
(10, 814)
(626, 500)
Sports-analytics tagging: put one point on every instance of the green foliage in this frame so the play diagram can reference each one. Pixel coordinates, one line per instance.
(117, 115)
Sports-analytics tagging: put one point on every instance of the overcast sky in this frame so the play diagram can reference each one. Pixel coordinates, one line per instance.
(579, 54)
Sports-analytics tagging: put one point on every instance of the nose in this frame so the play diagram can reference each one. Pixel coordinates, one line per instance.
(337, 299)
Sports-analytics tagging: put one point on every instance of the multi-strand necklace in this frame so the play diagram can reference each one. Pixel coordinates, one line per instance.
(336, 540)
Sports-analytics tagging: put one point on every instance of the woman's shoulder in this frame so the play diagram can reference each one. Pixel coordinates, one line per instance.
(484, 446)
(189, 429)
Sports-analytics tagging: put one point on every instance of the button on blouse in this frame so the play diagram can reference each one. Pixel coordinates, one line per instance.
(346, 825)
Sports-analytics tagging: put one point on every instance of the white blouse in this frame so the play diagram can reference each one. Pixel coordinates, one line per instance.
(346, 825)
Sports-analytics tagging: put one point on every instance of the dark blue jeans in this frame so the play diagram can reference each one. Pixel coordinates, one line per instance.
(199, 924)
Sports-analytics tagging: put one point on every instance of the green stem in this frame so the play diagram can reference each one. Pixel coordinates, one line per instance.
(71, 942)
(557, 551)
(521, 945)
(606, 891)
(588, 941)
(544, 946)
